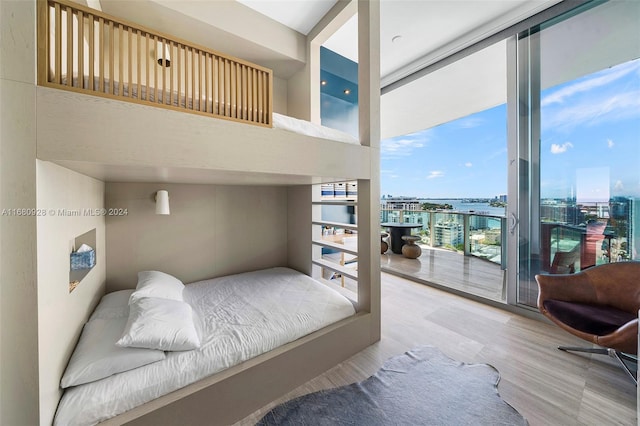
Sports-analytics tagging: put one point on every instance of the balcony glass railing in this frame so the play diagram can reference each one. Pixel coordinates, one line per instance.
(470, 234)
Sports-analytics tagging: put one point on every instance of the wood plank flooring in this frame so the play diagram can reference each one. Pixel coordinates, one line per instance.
(450, 269)
(547, 386)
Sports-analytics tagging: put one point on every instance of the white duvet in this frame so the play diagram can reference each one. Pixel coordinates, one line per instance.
(238, 316)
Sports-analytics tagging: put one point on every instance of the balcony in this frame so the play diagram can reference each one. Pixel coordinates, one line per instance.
(461, 251)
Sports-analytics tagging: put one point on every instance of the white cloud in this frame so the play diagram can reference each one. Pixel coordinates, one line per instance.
(559, 149)
(618, 186)
(595, 110)
(435, 174)
(388, 173)
(599, 79)
(402, 146)
(468, 123)
(610, 143)
(468, 164)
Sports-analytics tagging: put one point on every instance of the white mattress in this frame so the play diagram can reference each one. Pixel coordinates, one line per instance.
(310, 129)
(240, 317)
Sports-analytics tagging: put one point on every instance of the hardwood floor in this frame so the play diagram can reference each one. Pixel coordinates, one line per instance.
(450, 269)
(547, 386)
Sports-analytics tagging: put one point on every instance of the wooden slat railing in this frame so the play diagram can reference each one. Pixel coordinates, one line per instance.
(87, 51)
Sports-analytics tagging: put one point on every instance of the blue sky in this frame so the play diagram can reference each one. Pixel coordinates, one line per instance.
(590, 129)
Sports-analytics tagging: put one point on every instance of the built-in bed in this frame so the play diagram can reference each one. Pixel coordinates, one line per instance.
(208, 118)
(238, 317)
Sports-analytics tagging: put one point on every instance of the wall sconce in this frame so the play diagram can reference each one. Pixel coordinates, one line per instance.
(162, 202)
(164, 54)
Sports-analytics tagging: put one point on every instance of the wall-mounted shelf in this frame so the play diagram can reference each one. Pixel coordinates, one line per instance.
(76, 276)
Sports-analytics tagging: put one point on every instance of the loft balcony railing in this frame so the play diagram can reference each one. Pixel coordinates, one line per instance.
(86, 51)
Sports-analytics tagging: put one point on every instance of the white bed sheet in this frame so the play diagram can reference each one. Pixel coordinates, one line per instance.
(239, 317)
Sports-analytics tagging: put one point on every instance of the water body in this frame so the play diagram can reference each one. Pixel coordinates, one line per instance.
(463, 206)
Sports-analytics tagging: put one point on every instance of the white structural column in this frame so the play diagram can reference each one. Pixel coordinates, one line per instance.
(369, 189)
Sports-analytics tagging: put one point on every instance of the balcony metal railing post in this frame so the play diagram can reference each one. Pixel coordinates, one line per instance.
(432, 223)
(503, 243)
(466, 234)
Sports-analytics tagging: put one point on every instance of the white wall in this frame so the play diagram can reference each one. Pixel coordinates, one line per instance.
(213, 230)
(60, 194)
(18, 281)
(280, 95)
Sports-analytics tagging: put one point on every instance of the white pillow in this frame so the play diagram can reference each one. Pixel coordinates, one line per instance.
(113, 305)
(157, 323)
(157, 284)
(96, 355)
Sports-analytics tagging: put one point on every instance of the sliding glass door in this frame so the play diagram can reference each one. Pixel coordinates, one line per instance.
(578, 143)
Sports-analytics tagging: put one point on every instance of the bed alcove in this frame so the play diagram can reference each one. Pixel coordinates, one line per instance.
(204, 160)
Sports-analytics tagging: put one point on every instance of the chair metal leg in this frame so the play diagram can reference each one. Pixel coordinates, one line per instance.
(600, 351)
(627, 361)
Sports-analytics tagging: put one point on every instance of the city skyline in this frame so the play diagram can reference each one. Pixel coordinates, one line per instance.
(587, 125)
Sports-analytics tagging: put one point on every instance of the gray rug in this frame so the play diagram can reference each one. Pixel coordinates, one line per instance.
(421, 387)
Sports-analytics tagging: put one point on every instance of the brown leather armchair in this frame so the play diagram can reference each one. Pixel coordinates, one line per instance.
(599, 304)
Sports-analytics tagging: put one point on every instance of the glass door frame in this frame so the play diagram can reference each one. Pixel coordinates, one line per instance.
(523, 145)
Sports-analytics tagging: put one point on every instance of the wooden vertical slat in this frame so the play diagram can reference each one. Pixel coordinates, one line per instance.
(58, 48)
(193, 79)
(147, 82)
(120, 61)
(260, 100)
(254, 94)
(111, 57)
(239, 95)
(220, 64)
(92, 49)
(130, 60)
(207, 78)
(203, 81)
(172, 55)
(186, 77)
(265, 97)
(164, 72)
(199, 92)
(245, 111)
(80, 49)
(232, 80)
(214, 84)
(249, 94)
(155, 71)
(139, 63)
(179, 50)
(69, 46)
(239, 89)
(270, 102)
(227, 88)
(101, 54)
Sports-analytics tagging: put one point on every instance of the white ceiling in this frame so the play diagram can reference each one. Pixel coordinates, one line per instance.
(300, 15)
(423, 29)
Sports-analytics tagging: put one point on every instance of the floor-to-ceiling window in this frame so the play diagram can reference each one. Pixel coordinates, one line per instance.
(567, 93)
(578, 142)
(450, 175)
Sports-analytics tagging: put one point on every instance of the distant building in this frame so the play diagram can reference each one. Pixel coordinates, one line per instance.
(448, 233)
